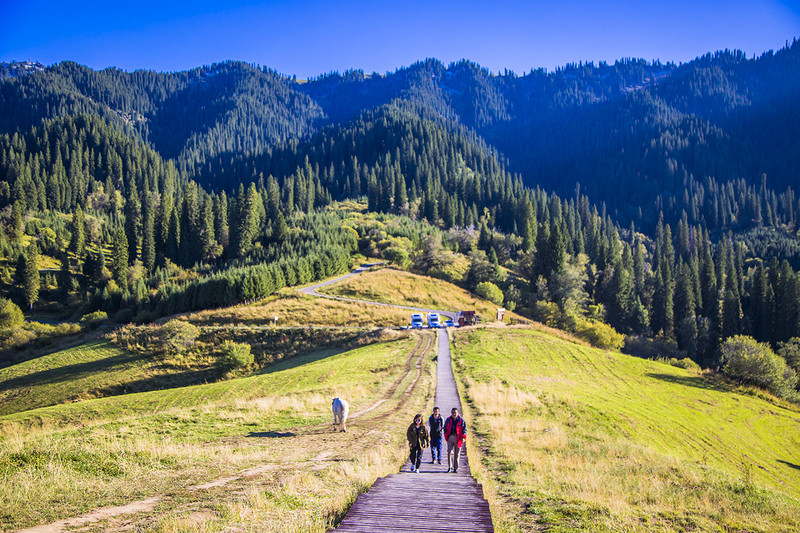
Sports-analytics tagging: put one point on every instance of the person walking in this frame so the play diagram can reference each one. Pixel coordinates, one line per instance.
(418, 440)
(455, 430)
(436, 425)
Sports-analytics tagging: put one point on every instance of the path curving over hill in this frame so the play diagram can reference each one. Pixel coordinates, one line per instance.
(433, 499)
(311, 290)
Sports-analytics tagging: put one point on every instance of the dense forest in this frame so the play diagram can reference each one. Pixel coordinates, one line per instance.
(656, 198)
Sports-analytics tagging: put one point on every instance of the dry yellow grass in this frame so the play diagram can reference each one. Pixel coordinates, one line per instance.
(272, 458)
(389, 285)
(295, 309)
(569, 438)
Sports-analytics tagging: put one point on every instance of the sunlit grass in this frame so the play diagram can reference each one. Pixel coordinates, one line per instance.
(389, 285)
(576, 439)
(61, 461)
(295, 309)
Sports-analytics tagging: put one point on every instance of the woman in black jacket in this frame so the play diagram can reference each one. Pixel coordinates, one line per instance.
(417, 441)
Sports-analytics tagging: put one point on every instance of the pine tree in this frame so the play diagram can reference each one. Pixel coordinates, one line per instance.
(17, 221)
(247, 225)
(132, 223)
(119, 258)
(731, 305)
(30, 276)
(279, 228)
(77, 228)
(148, 235)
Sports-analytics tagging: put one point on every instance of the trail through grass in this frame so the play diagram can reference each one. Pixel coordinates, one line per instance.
(577, 439)
(62, 461)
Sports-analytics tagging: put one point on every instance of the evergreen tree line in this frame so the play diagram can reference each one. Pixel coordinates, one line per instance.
(641, 137)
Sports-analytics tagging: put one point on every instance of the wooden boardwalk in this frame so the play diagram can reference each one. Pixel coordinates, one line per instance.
(432, 500)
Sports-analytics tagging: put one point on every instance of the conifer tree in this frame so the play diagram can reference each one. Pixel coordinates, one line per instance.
(132, 223)
(30, 276)
(148, 235)
(77, 228)
(119, 258)
(247, 225)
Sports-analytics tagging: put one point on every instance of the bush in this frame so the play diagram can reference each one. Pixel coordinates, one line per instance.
(658, 348)
(686, 363)
(234, 355)
(94, 319)
(754, 363)
(546, 312)
(10, 314)
(398, 256)
(176, 336)
(489, 291)
(600, 335)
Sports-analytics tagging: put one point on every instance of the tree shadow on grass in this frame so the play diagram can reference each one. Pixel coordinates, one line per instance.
(787, 463)
(699, 382)
(67, 372)
(271, 434)
(305, 358)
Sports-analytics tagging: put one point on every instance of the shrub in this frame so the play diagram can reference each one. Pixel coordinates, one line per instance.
(658, 348)
(489, 291)
(398, 256)
(10, 314)
(234, 355)
(751, 362)
(94, 319)
(599, 335)
(546, 312)
(686, 363)
(176, 336)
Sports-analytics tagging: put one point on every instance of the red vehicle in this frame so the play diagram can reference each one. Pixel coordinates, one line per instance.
(467, 318)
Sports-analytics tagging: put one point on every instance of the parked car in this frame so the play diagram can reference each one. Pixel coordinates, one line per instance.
(433, 320)
(416, 321)
(449, 323)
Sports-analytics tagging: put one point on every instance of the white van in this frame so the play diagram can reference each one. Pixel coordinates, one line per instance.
(416, 321)
(433, 320)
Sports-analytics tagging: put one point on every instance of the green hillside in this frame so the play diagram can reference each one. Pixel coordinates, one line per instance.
(61, 461)
(577, 439)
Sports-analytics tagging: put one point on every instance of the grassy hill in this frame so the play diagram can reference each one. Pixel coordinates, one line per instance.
(389, 285)
(573, 438)
(61, 461)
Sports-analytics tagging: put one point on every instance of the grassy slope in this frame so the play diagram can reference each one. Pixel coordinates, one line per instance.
(61, 461)
(295, 309)
(72, 374)
(389, 285)
(581, 439)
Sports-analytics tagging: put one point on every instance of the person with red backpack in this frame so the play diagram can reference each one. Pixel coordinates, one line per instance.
(455, 430)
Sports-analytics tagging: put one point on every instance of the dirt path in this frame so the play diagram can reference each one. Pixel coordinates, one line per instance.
(312, 290)
(413, 361)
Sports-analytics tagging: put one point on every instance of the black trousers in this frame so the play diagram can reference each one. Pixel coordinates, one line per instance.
(415, 456)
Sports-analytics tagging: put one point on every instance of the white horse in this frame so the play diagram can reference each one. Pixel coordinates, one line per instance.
(340, 410)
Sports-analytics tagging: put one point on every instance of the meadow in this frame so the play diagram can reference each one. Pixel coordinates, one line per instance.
(571, 438)
(389, 285)
(295, 309)
(257, 451)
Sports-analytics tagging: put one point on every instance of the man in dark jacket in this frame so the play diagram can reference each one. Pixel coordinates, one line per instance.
(436, 424)
(455, 430)
(418, 440)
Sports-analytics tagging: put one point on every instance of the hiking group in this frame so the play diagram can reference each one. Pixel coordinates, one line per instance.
(453, 429)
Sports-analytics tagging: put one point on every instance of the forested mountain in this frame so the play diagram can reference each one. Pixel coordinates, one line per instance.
(655, 197)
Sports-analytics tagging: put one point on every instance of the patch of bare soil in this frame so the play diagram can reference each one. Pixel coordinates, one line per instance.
(319, 443)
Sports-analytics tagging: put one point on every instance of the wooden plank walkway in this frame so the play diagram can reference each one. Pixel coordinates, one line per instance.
(432, 500)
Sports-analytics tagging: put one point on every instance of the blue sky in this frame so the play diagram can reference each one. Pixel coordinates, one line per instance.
(311, 37)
